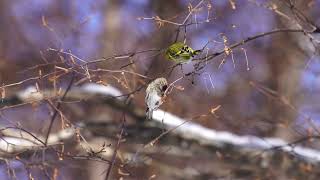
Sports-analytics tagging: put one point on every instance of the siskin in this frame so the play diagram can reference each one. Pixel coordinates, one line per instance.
(155, 93)
(180, 52)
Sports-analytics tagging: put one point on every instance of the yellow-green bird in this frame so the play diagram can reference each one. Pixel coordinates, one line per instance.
(180, 52)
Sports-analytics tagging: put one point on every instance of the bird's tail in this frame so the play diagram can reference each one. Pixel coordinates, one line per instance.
(149, 113)
(196, 52)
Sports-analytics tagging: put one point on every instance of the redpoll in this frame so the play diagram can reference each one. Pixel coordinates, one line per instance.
(155, 93)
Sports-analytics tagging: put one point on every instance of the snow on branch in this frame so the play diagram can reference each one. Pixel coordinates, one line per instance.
(16, 140)
(212, 137)
(184, 128)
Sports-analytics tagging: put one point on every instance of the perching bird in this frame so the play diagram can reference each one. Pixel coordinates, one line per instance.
(154, 95)
(180, 52)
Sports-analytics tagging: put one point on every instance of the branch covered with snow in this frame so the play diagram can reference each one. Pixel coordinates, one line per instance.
(187, 130)
(16, 140)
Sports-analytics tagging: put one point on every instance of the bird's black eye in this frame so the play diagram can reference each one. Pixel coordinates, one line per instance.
(157, 103)
(164, 88)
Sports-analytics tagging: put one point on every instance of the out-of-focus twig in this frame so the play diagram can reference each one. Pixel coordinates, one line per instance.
(114, 155)
(56, 110)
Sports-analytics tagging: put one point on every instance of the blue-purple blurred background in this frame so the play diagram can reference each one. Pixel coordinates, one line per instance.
(93, 29)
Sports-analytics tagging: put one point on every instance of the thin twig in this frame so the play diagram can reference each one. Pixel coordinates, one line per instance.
(113, 159)
(58, 107)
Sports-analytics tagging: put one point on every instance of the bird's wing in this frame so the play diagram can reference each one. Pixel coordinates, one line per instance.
(153, 100)
(175, 49)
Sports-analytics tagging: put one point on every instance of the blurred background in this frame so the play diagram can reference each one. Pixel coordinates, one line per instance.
(271, 89)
